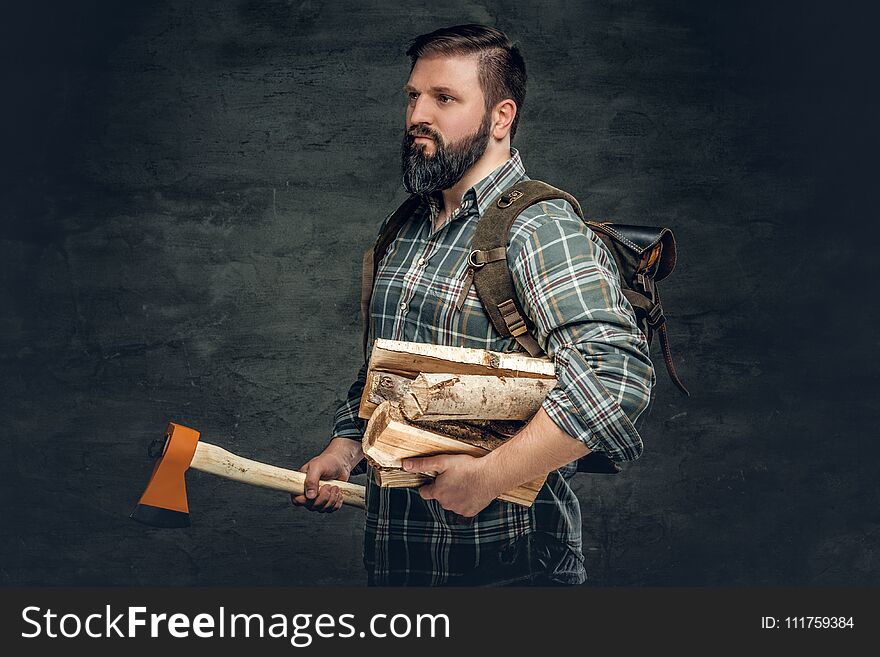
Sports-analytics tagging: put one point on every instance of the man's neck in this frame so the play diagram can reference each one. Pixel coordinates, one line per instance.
(452, 197)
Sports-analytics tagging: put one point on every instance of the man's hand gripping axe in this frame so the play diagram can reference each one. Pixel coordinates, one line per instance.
(163, 503)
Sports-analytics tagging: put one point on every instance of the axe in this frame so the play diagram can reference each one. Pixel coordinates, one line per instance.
(163, 503)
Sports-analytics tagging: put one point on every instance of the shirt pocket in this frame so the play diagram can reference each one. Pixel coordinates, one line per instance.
(445, 288)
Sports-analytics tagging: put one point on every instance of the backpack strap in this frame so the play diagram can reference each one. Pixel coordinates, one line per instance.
(488, 259)
(656, 321)
(374, 255)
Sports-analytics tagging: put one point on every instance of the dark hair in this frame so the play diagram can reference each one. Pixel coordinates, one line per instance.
(502, 71)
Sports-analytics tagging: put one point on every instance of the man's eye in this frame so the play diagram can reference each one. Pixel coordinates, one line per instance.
(444, 99)
(412, 95)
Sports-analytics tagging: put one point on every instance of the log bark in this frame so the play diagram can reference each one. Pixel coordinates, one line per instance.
(384, 386)
(389, 439)
(438, 397)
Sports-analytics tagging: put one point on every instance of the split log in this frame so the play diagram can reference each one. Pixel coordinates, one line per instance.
(408, 359)
(396, 478)
(389, 439)
(440, 397)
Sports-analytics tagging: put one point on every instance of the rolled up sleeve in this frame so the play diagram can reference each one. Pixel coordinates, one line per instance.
(569, 286)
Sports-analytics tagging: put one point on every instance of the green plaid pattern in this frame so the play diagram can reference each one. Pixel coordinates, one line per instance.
(567, 282)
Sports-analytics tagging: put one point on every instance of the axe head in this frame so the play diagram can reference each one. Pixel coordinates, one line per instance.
(163, 503)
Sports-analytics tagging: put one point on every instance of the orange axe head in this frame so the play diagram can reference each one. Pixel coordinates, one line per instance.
(163, 503)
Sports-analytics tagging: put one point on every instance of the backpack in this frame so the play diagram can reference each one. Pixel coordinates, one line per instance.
(644, 256)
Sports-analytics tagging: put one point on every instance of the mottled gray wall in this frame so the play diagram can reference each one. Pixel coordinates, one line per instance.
(188, 187)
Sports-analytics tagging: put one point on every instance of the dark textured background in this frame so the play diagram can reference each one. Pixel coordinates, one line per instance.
(186, 192)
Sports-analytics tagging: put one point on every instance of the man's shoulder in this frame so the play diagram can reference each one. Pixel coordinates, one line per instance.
(544, 215)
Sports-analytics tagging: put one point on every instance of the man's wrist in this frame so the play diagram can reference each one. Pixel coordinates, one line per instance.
(539, 448)
(494, 471)
(349, 450)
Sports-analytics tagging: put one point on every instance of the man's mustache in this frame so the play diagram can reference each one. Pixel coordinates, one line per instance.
(422, 132)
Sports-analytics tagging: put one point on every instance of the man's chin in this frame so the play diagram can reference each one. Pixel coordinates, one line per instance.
(420, 158)
(423, 148)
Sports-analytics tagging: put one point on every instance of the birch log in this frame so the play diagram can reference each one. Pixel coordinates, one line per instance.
(440, 397)
(408, 359)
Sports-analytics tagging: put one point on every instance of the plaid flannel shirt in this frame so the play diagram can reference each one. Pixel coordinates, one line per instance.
(568, 285)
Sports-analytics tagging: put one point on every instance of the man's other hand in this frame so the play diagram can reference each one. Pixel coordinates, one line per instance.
(462, 484)
(332, 463)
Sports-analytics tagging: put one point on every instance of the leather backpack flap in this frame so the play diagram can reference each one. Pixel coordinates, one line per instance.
(642, 249)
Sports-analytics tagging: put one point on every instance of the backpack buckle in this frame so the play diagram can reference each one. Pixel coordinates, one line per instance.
(472, 259)
(507, 200)
(656, 317)
(514, 321)
(645, 282)
(479, 258)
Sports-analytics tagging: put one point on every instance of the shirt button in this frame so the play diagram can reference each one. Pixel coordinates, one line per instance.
(403, 306)
(422, 262)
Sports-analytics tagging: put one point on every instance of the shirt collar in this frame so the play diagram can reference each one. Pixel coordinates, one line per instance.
(486, 190)
(506, 174)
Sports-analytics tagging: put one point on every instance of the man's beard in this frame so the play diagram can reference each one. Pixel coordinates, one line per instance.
(423, 174)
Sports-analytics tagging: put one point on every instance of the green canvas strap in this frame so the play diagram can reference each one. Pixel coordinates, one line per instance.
(488, 259)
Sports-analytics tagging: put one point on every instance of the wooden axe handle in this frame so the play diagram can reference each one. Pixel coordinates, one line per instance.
(217, 461)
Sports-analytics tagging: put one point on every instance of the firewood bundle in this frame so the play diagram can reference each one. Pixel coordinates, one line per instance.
(423, 400)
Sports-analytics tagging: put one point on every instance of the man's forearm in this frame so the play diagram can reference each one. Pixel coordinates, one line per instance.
(539, 448)
(467, 484)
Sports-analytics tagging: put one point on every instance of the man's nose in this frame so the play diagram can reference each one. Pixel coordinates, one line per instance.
(420, 112)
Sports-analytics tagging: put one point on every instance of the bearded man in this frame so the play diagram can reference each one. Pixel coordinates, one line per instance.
(465, 92)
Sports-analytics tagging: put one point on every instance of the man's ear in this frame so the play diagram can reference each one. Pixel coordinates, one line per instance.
(502, 118)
